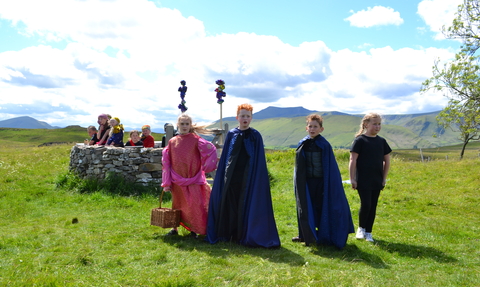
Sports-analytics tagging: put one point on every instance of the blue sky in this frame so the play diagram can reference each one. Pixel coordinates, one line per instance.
(66, 61)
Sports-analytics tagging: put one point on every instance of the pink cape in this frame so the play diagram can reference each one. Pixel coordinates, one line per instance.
(185, 161)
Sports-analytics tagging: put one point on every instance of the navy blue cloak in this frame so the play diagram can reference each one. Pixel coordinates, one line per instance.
(335, 222)
(248, 219)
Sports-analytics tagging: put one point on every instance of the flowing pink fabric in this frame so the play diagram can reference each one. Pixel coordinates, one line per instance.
(185, 160)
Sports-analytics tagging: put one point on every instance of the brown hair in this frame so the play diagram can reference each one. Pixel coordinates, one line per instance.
(366, 119)
(315, 117)
(92, 128)
(247, 107)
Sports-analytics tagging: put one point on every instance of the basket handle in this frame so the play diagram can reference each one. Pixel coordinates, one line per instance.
(161, 197)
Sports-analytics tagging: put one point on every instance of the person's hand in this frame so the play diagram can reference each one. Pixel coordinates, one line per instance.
(167, 188)
(354, 183)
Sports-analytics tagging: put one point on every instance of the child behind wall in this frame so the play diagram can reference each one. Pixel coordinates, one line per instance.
(92, 133)
(146, 137)
(134, 139)
(103, 129)
(116, 133)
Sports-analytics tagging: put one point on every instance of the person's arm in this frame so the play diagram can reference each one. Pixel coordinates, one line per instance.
(166, 166)
(104, 139)
(386, 168)
(352, 167)
(208, 154)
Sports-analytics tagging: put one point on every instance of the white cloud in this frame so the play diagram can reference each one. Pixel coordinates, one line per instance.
(154, 48)
(376, 16)
(383, 80)
(438, 13)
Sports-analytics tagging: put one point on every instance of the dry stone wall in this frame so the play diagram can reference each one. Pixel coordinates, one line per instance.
(135, 164)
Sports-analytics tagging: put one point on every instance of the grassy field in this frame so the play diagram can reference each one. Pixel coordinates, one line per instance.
(427, 231)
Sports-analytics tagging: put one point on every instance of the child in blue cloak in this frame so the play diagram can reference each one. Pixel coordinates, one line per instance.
(323, 213)
(116, 133)
(240, 208)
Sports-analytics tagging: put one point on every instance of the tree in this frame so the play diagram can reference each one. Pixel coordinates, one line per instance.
(465, 26)
(459, 79)
(462, 117)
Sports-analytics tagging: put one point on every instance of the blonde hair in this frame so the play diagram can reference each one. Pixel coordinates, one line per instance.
(194, 128)
(315, 117)
(117, 128)
(366, 119)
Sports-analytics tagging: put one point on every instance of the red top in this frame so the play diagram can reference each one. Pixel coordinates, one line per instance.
(149, 141)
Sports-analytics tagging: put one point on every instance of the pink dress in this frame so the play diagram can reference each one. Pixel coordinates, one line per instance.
(185, 161)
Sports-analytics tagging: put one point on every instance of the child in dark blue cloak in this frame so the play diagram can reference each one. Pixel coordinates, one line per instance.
(240, 208)
(323, 213)
(116, 133)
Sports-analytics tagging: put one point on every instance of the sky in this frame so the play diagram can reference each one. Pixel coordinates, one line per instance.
(67, 61)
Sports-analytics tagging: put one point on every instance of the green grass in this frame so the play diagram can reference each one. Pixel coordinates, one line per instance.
(427, 231)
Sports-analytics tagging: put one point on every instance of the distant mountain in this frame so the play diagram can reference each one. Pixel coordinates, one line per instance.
(25, 123)
(284, 127)
(274, 112)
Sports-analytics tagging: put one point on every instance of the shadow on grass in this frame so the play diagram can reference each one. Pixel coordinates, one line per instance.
(222, 251)
(350, 253)
(415, 251)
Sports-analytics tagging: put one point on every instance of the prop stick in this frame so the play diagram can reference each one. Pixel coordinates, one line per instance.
(220, 95)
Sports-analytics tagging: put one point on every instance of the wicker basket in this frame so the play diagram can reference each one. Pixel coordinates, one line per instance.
(165, 217)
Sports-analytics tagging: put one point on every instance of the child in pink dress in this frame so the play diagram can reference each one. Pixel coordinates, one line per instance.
(185, 160)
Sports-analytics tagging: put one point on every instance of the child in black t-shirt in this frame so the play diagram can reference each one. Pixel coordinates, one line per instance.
(369, 165)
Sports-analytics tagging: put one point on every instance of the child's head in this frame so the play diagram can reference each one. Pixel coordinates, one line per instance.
(314, 125)
(114, 121)
(146, 130)
(370, 125)
(103, 119)
(134, 135)
(116, 127)
(91, 130)
(184, 124)
(244, 116)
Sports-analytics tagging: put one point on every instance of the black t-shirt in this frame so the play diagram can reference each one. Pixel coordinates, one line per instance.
(371, 151)
(94, 138)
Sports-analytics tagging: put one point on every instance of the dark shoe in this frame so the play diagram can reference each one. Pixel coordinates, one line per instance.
(193, 235)
(297, 239)
(172, 232)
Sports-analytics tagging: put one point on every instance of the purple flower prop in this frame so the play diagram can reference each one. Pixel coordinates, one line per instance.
(219, 90)
(182, 108)
(183, 91)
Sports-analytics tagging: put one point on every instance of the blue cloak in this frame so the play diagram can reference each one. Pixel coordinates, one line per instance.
(335, 222)
(252, 211)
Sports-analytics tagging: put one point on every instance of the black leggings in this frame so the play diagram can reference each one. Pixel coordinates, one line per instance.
(368, 208)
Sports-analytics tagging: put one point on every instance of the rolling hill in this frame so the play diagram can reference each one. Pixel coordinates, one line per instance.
(25, 123)
(283, 127)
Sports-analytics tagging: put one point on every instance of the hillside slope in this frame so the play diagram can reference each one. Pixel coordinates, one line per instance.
(401, 131)
(24, 123)
(283, 127)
